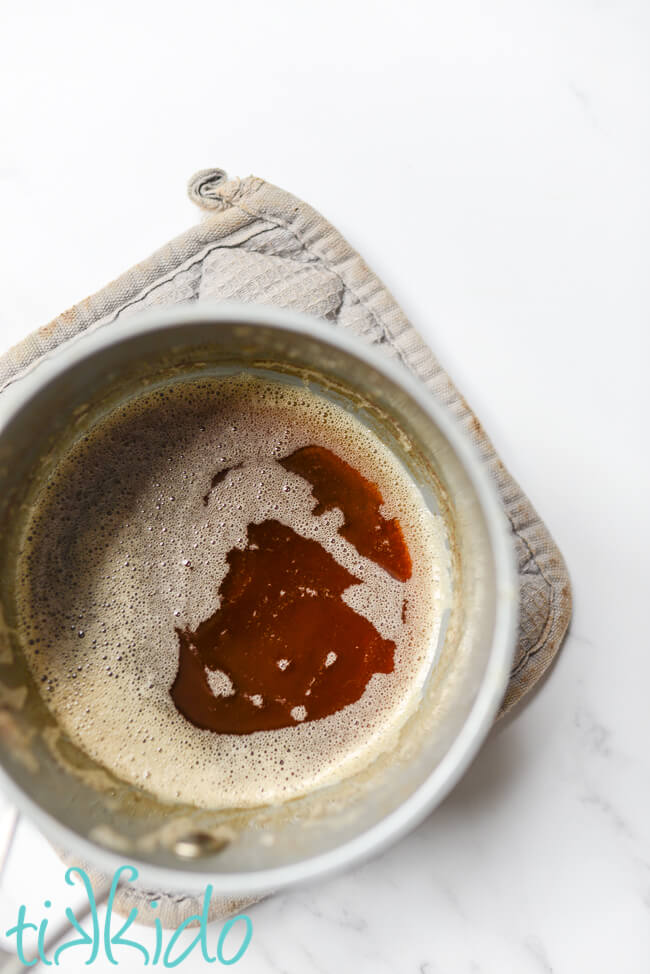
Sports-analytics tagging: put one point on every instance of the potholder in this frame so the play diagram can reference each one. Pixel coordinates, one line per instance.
(260, 244)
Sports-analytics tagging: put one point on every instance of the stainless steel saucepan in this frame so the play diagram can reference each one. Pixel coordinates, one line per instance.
(182, 848)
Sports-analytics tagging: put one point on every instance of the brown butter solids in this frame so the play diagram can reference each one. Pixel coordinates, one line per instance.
(336, 484)
(291, 648)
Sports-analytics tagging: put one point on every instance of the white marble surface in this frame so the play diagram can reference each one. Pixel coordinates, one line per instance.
(490, 161)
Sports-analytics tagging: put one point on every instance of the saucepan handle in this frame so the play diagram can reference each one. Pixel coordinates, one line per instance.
(9, 962)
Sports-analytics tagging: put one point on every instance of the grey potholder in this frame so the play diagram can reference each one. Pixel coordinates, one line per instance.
(260, 244)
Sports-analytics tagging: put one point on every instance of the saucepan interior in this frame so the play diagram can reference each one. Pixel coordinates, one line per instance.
(105, 821)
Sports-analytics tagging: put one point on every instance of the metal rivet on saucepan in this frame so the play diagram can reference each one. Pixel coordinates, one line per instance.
(198, 844)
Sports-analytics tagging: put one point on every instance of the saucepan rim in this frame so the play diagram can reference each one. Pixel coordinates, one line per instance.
(466, 744)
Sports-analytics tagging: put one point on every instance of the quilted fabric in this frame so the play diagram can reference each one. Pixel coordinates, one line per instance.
(259, 244)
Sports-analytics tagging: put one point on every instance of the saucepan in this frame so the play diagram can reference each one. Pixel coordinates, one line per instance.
(181, 848)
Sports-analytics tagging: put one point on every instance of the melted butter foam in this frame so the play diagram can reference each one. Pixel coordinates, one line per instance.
(128, 542)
